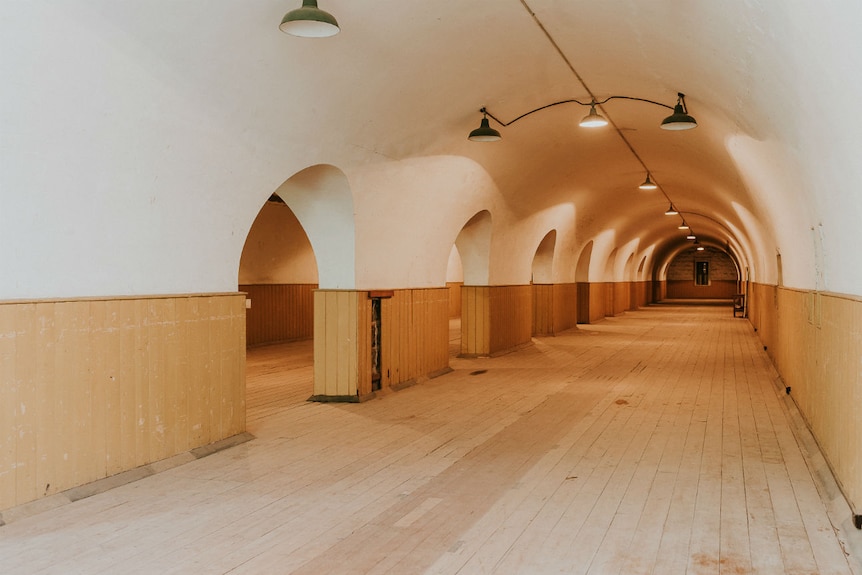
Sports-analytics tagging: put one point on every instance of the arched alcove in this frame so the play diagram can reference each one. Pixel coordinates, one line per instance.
(278, 272)
(454, 281)
(474, 246)
(543, 261)
(708, 274)
(582, 271)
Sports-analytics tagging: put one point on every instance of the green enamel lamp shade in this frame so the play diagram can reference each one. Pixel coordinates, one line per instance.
(309, 21)
(484, 133)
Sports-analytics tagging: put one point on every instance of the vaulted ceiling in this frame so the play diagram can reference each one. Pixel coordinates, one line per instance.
(144, 105)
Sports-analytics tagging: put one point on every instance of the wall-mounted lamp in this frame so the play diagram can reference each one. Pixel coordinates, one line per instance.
(648, 184)
(309, 21)
(484, 133)
(679, 120)
(671, 211)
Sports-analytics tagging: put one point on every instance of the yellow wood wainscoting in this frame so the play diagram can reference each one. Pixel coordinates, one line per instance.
(554, 308)
(595, 301)
(414, 340)
(717, 289)
(598, 300)
(279, 312)
(659, 291)
(495, 319)
(93, 387)
(815, 341)
(622, 297)
(641, 294)
(454, 298)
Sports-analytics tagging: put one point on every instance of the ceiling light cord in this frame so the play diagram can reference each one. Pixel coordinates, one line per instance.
(583, 83)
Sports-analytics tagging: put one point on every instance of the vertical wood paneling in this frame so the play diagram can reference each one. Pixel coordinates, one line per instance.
(352, 380)
(815, 340)
(509, 317)
(414, 339)
(598, 301)
(345, 342)
(718, 289)
(583, 306)
(8, 406)
(565, 307)
(330, 331)
(105, 369)
(338, 317)
(415, 334)
(454, 298)
(27, 401)
(543, 309)
(622, 297)
(279, 312)
(50, 392)
(363, 336)
(90, 388)
(554, 308)
(610, 304)
(183, 372)
(475, 321)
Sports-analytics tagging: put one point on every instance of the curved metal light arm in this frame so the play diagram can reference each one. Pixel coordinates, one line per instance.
(573, 101)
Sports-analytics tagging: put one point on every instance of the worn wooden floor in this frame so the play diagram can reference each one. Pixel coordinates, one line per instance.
(655, 442)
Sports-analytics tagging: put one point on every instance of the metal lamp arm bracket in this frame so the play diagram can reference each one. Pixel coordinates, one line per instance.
(573, 101)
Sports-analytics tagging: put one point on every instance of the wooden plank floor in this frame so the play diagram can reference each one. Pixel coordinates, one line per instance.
(655, 442)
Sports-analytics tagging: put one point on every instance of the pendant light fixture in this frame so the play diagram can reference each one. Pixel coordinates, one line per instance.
(648, 184)
(679, 120)
(593, 119)
(484, 133)
(684, 226)
(671, 211)
(309, 21)
(697, 246)
(691, 237)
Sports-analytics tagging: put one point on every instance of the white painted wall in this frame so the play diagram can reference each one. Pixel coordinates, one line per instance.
(136, 149)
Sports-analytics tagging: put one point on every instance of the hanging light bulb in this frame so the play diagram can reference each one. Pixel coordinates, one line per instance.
(484, 133)
(691, 237)
(648, 184)
(309, 21)
(697, 246)
(684, 226)
(671, 211)
(679, 120)
(593, 119)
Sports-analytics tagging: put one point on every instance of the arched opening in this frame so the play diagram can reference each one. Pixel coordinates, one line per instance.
(301, 240)
(582, 271)
(473, 249)
(543, 285)
(474, 246)
(710, 273)
(278, 272)
(454, 281)
(582, 279)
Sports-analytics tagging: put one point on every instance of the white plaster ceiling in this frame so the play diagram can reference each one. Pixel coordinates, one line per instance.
(143, 107)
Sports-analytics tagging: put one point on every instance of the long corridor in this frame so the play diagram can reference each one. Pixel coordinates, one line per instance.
(660, 441)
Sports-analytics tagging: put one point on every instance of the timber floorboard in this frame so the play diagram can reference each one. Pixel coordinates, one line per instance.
(656, 442)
